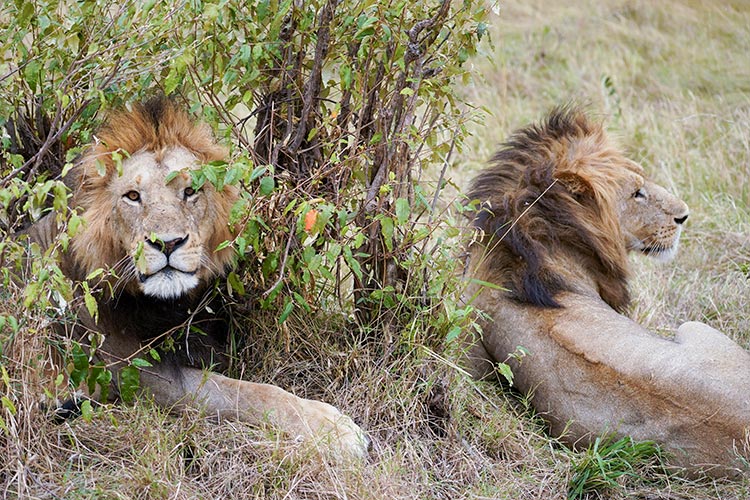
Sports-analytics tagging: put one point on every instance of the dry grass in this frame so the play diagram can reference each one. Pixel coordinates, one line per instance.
(679, 97)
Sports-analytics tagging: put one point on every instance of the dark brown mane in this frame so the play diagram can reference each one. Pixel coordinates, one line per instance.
(549, 192)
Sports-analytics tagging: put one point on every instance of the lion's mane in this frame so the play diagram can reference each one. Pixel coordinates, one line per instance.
(551, 189)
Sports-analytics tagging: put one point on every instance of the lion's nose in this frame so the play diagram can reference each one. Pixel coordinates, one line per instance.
(167, 246)
(680, 220)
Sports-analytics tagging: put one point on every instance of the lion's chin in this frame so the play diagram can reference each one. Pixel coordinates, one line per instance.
(661, 254)
(168, 284)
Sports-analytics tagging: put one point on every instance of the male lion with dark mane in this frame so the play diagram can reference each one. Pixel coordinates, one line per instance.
(159, 235)
(561, 208)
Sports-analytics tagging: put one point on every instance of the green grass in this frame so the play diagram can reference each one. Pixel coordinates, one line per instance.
(673, 82)
(607, 463)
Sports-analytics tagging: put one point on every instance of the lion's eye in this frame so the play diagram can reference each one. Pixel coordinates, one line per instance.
(189, 192)
(133, 196)
(641, 193)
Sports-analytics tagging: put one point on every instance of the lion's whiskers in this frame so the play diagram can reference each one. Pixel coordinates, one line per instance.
(651, 242)
(125, 271)
(210, 265)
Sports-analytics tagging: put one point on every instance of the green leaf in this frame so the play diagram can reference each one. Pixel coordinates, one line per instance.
(171, 176)
(241, 243)
(198, 179)
(224, 244)
(32, 73)
(386, 228)
(103, 380)
(30, 294)
(27, 12)
(101, 167)
(130, 380)
(288, 307)
(345, 73)
(487, 284)
(376, 138)
(403, 210)
(365, 27)
(95, 273)
(505, 371)
(235, 283)
(173, 80)
(266, 185)
(87, 412)
(352, 262)
(141, 363)
(91, 305)
(8, 404)
(212, 175)
(80, 361)
(94, 374)
(257, 172)
(453, 334)
(363, 33)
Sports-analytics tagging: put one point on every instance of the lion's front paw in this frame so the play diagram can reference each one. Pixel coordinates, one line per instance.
(333, 430)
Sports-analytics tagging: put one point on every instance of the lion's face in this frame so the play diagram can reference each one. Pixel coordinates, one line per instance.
(164, 228)
(159, 238)
(651, 217)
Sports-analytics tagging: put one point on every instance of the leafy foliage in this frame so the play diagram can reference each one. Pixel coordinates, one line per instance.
(332, 110)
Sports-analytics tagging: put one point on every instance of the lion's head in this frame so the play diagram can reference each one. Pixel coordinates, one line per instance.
(154, 230)
(561, 192)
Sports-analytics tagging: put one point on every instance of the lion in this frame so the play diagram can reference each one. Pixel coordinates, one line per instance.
(160, 237)
(560, 209)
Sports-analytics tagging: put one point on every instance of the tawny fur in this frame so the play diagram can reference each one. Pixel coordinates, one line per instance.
(561, 208)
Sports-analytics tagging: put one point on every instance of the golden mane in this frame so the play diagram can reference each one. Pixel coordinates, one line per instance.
(154, 126)
(552, 190)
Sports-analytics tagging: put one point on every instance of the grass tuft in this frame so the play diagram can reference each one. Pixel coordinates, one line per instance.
(607, 465)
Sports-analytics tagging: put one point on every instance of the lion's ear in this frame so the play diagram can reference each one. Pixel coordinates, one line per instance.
(574, 183)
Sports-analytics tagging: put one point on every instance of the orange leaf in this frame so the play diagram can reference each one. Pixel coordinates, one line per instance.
(310, 218)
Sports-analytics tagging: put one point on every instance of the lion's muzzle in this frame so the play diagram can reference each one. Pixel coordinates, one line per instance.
(168, 246)
(169, 266)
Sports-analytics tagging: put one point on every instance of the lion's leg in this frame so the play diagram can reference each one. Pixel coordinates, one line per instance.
(477, 359)
(257, 403)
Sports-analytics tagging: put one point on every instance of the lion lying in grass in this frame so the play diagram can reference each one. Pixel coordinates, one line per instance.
(561, 209)
(159, 235)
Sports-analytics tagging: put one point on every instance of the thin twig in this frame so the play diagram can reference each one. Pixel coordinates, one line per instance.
(312, 87)
(438, 188)
(283, 265)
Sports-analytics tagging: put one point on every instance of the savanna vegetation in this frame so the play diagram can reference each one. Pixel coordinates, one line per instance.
(353, 128)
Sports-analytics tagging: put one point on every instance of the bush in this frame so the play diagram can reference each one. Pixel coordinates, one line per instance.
(332, 109)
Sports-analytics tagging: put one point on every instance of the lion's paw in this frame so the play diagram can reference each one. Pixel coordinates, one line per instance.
(333, 431)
